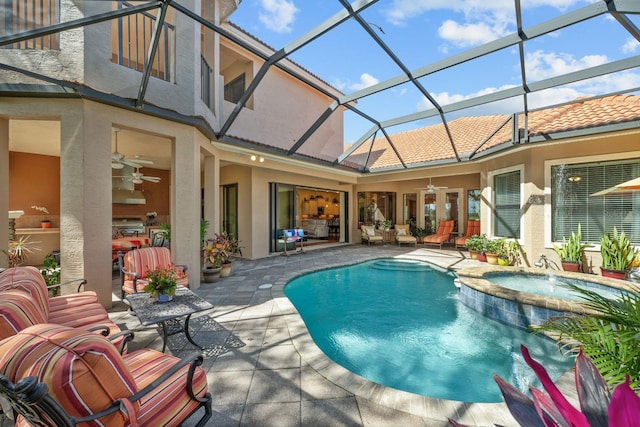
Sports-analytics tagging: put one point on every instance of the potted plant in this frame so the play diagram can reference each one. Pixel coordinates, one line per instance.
(51, 274)
(162, 283)
(473, 245)
(18, 251)
(571, 251)
(387, 223)
(492, 250)
(509, 252)
(45, 223)
(617, 254)
(215, 253)
(483, 247)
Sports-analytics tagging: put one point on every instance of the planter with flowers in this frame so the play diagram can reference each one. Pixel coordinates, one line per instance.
(215, 252)
(162, 283)
(45, 223)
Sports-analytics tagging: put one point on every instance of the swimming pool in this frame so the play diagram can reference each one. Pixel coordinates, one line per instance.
(400, 323)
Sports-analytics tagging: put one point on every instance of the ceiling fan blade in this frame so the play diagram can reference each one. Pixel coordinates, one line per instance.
(142, 161)
(130, 163)
(116, 165)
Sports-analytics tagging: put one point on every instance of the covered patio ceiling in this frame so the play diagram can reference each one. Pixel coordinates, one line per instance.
(415, 71)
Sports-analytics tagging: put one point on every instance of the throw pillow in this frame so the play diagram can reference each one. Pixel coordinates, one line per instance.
(371, 232)
(401, 232)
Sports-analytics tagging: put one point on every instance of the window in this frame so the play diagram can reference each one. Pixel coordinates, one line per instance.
(375, 207)
(506, 214)
(26, 15)
(234, 89)
(574, 200)
(132, 39)
(473, 204)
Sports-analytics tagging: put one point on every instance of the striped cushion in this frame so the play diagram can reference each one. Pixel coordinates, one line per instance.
(30, 280)
(142, 260)
(18, 310)
(83, 371)
(168, 404)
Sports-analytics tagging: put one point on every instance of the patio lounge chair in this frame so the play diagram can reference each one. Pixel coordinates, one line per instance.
(369, 234)
(403, 235)
(443, 234)
(473, 229)
(59, 376)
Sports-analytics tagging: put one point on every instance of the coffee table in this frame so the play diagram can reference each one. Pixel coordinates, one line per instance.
(185, 303)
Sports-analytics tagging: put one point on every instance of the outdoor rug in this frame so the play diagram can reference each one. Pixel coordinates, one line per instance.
(211, 335)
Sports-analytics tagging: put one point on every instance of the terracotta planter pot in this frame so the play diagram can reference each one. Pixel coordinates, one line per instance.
(614, 274)
(45, 224)
(492, 258)
(225, 270)
(482, 257)
(473, 254)
(571, 266)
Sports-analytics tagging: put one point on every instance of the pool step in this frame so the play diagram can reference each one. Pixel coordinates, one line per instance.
(400, 265)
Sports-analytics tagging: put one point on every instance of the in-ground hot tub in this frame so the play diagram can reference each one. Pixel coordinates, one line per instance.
(523, 296)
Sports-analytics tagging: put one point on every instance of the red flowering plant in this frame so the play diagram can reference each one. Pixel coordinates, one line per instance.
(161, 281)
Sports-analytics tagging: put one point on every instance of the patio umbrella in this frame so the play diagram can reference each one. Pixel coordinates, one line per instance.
(633, 184)
(611, 191)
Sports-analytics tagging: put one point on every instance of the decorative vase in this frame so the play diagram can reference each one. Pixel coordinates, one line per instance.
(614, 274)
(164, 298)
(482, 257)
(571, 266)
(45, 224)
(492, 258)
(210, 274)
(225, 270)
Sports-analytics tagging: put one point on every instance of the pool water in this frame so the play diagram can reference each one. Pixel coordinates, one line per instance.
(549, 285)
(399, 323)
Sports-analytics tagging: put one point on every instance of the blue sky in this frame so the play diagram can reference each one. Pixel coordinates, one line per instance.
(421, 32)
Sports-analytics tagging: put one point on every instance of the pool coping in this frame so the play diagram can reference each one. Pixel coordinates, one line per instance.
(470, 413)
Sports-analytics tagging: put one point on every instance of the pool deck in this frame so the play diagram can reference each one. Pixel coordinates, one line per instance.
(267, 371)
(264, 369)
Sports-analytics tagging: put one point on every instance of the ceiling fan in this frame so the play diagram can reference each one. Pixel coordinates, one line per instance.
(430, 188)
(118, 160)
(138, 177)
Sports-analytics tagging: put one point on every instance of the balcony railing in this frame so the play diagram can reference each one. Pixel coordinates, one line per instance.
(134, 36)
(205, 81)
(26, 15)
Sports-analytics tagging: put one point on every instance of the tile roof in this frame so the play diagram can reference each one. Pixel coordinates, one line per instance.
(480, 133)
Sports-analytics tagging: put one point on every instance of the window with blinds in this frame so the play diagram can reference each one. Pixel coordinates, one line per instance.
(573, 200)
(506, 196)
(27, 15)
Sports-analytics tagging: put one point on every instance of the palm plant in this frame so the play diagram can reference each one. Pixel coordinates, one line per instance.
(609, 337)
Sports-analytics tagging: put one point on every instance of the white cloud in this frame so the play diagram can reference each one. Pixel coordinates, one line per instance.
(467, 34)
(542, 65)
(366, 80)
(278, 15)
(401, 11)
(630, 46)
